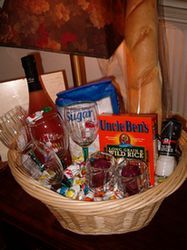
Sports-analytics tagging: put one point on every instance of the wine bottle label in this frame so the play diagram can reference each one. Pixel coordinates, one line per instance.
(31, 119)
(35, 117)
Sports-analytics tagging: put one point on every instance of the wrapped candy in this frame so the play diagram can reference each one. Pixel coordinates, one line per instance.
(74, 186)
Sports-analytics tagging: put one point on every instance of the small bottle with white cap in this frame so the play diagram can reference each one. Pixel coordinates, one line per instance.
(166, 163)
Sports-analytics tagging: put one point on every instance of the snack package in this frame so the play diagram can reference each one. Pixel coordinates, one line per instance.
(130, 136)
(103, 93)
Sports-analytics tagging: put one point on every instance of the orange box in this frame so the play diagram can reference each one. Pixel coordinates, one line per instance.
(130, 136)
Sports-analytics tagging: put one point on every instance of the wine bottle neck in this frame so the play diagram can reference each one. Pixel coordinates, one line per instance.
(31, 73)
(33, 84)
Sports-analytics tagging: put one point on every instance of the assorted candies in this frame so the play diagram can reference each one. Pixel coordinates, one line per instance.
(74, 186)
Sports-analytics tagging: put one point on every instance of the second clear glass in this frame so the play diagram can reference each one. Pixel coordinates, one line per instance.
(50, 130)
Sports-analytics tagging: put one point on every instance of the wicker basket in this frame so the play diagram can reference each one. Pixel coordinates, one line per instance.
(105, 217)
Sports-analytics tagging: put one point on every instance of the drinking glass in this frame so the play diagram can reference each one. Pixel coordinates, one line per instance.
(82, 124)
(42, 163)
(100, 171)
(132, 176)
(13, 129)
(49, 129)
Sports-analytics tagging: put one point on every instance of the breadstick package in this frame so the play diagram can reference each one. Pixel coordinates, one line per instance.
(144, 81)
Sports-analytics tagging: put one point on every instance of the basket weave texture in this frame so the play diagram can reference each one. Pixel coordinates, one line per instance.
(105, 217)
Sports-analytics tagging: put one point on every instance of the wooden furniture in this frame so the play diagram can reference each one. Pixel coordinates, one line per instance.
(26, 223)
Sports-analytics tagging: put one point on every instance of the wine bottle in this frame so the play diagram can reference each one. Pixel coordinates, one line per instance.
(39, 99)
(46, 124)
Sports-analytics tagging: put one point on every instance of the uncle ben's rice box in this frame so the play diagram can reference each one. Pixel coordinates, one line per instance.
(130, 136)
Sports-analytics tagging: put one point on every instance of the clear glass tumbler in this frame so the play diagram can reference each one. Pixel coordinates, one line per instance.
(100, 171)
(132, 176)
(50, 130)
(13, 129)
(42, 164)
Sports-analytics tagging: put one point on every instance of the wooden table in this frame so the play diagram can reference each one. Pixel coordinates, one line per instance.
(26, 223)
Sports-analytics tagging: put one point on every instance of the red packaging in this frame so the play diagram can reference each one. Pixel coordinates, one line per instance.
(131, 136)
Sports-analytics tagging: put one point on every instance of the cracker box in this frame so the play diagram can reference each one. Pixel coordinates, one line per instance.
(130, 136)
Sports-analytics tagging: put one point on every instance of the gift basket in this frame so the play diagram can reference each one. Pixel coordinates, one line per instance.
(143, 97)
(105, 217)
(112, 216)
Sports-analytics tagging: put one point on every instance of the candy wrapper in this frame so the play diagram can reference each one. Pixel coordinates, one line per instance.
(74, 186)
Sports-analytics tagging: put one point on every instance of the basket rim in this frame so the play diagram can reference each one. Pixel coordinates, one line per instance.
(51, 198)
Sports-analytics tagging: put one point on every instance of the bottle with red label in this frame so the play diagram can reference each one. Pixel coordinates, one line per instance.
(45, 123)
